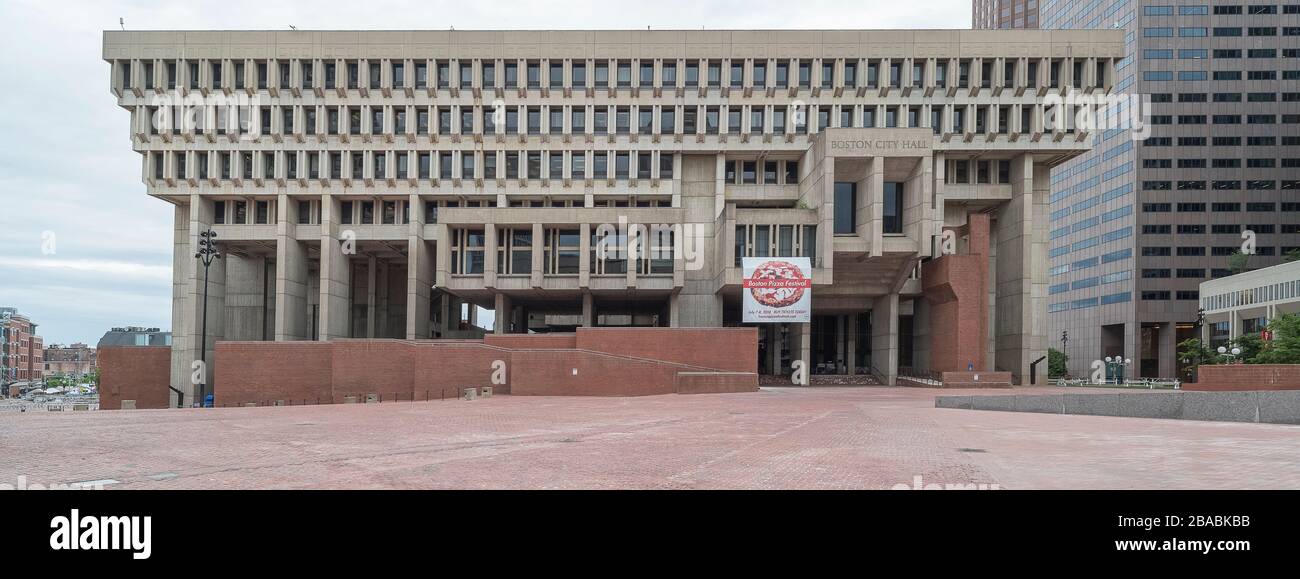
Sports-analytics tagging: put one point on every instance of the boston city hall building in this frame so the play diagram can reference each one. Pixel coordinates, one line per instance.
(391, 184)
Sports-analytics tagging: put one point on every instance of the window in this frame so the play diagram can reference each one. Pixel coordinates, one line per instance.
(893, 215)
(562, 251)
(515, 251)
(846, 195)
(467, 251)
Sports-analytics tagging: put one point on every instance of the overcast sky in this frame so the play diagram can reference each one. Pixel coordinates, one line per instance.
(70, 183)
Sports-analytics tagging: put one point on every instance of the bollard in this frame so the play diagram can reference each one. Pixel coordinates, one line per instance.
(471, 393)
(487, 391)
(349, 399)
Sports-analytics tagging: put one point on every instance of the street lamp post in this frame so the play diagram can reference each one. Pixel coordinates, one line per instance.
(206, 254)
(1118, 367)
(1230, 354)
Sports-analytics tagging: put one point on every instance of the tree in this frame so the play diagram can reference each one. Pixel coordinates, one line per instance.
(1192, 351)
(1238, 262)
(1284, 348)
(1251, 346)
(1056, 363)
(1292, 255)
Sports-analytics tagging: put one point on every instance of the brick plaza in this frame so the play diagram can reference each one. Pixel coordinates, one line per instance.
(803, 438)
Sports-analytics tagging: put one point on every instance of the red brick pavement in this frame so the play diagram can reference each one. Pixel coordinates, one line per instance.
(836, 437)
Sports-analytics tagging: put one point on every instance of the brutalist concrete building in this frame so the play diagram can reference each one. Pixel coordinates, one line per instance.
(1138, 225)
(370, 184)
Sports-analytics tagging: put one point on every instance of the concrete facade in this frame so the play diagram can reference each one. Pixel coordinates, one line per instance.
(383, 181)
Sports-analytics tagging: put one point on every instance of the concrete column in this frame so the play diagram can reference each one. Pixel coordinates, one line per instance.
(1021, 270)
(420, 274)
(774, 347)
(884, 336)
(876, 200)
(588, 310)
(335, 275)
(382, 299)
(419, 288)
(372, 279)
(1168, 354)
(539, 235)
(840, 363)
(850, 357)
(584, 255)
(290, 279)
(504, 313)
(490, 256)
(200, 219)
(450, 312)
(244, 313)
(675, 310)
(801, 348)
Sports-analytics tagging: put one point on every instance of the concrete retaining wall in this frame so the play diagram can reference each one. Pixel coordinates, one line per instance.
(1273, 407)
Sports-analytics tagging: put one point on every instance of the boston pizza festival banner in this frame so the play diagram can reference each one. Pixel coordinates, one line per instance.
(777, 289)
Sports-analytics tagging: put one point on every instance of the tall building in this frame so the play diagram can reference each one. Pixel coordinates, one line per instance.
(993, 14)
(1138, 224)
(21, 349)
(379, 181)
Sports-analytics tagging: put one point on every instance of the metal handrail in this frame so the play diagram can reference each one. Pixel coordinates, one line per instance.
(910, 372)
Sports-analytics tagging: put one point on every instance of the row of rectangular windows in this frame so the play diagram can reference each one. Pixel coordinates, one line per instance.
(1225, 97)
(1257, 295)
(1232, 141)
(606, 120)
(1220, 10)
(1219, 53)
(565, 73)
(420, 165)
(1263, 119)
(1093, 241)
(1225, 75)
(1200, 251)
(1221, 185)
(1218, 163)
(1218, 31)
(1089, 262)
(1220, 228)
(1090, 302)
(391, 212)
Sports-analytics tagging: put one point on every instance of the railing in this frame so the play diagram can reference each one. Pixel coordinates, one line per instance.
(877, 374)
(910, 372)
(1148, 383)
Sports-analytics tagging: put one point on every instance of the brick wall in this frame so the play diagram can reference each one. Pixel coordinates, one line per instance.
(551, 373)
(727, 349)
(1246, 377)
(956, 290)
(443, 368)
(716, 382)
(382, 367)
(532, 341)
(140, 373)
(298, 372)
